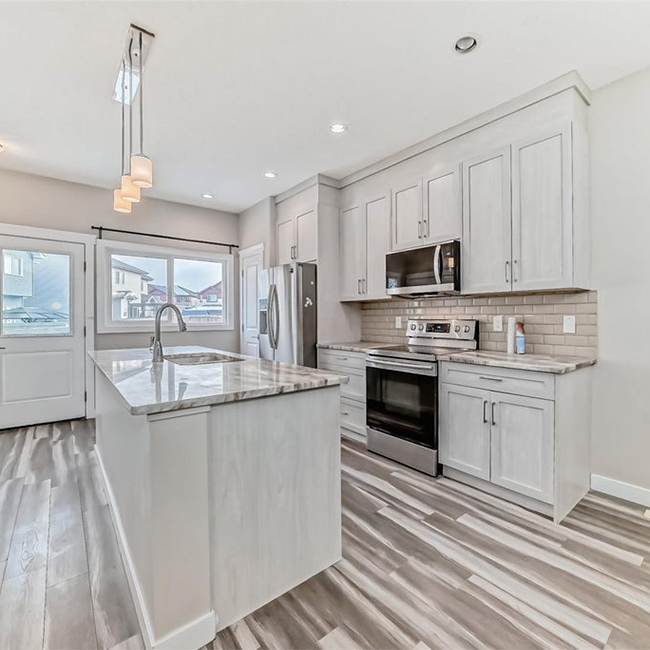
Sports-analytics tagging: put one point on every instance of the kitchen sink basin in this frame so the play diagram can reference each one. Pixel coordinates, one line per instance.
(200, 358)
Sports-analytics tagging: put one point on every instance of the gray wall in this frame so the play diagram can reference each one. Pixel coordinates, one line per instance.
(42, 202)
(257, 226)
(620, 181)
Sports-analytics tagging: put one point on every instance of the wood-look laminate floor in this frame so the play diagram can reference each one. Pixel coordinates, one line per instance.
(427, 564)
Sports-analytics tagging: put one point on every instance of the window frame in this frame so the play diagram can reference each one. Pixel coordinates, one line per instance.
(106, 248)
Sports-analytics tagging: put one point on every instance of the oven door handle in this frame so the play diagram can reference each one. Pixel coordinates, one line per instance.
(400, 364)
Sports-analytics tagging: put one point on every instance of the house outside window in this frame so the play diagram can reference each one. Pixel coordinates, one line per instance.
(13, 265)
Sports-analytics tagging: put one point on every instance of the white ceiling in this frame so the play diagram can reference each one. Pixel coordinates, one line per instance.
(236, 88)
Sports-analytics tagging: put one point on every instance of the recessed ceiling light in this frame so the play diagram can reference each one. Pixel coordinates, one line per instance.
(465, 44)
(338, 127)
(207, 196)
(270, 174)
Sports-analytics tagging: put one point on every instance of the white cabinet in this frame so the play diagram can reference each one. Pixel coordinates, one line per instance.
(524, 243)
(486, 244)
(364, 242)
(353, 394)
(297, 237)
(306, 237)
(542, 233)
(521, 435)
(465, 444)
(522, 445)
(442, 213)
(285, 236)
(407, 215)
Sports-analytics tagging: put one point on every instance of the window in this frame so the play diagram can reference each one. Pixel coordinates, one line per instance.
(35, 293)
(134, 280)
(13, 265)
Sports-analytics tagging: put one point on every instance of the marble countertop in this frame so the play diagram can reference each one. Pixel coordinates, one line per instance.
(534, 362)
(147, 388)
(354, 346)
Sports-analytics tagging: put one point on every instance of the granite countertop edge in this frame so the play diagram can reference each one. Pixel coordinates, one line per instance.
(354, 346)
(531, 363)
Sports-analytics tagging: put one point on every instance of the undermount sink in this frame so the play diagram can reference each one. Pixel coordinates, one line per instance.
(200, 358)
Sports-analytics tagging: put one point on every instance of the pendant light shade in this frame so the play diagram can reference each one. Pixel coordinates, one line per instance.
(119, 204)
(129, 191)
(141, 171)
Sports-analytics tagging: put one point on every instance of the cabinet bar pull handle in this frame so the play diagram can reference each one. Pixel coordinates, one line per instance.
(493, 418)
(358, 286)
(425, 228)
(419, 230)
(514, 271)
(491, 378)
(485, 403)
(363, 285)
(507, 269)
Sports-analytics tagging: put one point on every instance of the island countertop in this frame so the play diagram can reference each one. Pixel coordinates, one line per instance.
(148, 388)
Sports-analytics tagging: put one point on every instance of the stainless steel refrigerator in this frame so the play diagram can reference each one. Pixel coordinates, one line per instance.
(287, 310)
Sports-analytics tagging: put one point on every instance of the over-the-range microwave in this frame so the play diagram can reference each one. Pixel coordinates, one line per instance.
(426, 271)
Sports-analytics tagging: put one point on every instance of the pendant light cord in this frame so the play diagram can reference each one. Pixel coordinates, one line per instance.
(141, 95)
(130, 101)
(123, 116)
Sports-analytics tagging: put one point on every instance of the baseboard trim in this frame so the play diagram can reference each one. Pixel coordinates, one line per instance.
(194, 634)
(620, 489)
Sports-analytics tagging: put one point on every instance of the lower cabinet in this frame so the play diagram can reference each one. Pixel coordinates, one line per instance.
(353, 394)
(532, 450)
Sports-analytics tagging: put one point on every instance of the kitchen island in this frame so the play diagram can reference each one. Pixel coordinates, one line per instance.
(223, 478)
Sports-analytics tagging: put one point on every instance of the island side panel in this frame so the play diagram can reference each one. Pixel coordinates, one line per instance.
(275, 491)
(123, 451)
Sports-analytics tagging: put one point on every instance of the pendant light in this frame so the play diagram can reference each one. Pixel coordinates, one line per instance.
(120, 204)
(141, 165)
(130, 192)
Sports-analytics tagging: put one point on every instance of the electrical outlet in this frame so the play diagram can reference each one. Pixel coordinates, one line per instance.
(398, 322)
(497, 324)
(569, 325)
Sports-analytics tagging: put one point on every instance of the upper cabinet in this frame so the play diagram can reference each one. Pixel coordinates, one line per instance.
(364, 236)
(526, 244)
(486, 243)
(542, 215)
(407, 214)
(296, 233)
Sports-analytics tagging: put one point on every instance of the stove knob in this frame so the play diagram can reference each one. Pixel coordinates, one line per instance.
(457, 328)
(421, 327)
(412, 326)
(467, 328)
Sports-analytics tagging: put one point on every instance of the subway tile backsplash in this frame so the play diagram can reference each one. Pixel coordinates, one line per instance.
(542, 315)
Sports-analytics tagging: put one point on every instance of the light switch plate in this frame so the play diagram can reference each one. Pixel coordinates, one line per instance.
(569, 326)
(398, 322)
(497, 324)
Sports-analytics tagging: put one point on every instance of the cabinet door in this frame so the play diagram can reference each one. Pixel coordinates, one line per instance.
(442, 220)
(407, 215)
(352, 247)
(542, 214)
(465, 430)
(377, 244)
(522, 445)
(285, 234)
(307, 237)
(486, 251)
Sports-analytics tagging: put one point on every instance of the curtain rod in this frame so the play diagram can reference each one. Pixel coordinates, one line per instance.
(102, 230)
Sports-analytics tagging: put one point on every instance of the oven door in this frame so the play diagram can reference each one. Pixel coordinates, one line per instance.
(402, 400)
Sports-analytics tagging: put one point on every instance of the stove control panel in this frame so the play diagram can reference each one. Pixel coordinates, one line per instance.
(432, 332)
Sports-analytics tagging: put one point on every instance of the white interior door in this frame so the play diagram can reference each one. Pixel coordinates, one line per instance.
(42, 348)
(251, 261)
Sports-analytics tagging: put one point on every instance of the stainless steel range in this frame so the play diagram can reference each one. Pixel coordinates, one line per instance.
(402, 391)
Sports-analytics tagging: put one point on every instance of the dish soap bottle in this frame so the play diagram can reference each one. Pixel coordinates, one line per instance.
(520, 338)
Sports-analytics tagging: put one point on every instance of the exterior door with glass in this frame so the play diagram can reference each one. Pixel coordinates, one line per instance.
(42, 348)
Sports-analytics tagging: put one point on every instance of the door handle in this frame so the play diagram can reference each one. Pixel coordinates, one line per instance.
(363, 285)
(485, 403)
(425, 228)
(494, 422)
(419, 230)
(514, 270)
(490, 378)
(507, 269)
(359, 286)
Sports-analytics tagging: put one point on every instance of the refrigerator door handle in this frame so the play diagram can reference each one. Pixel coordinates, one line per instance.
(270, 316)
(276, 318)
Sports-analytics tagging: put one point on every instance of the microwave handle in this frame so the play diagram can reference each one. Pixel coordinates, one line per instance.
(436, 264)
